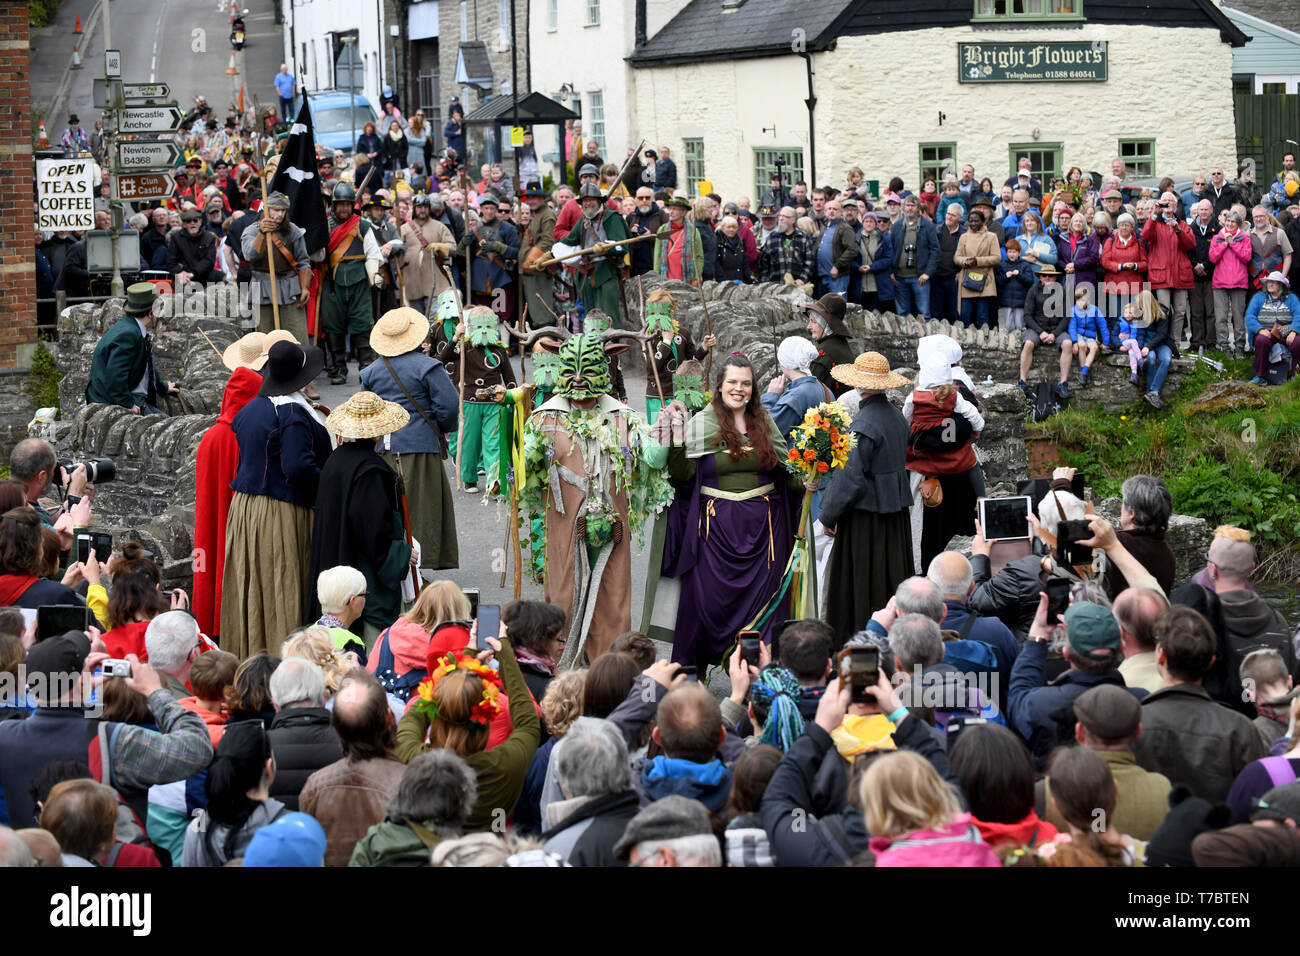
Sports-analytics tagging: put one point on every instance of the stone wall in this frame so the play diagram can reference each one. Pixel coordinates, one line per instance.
(152, 498)
(16, 409)
(754, 319)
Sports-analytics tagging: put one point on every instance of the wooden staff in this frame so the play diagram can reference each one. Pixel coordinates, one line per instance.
(464, 347)
(708, 330)
(523, 327)
(210, 342)
(406, 521)
(270, 252)
(599, 249)
(649, 357)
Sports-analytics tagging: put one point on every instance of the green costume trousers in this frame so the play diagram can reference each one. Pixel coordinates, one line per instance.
(347, 309)
(482, 442)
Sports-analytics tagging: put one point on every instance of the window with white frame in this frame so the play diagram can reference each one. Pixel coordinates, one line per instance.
(595, 120)
(593, 13)
(552, 15)
(464, 21)
(503, 15)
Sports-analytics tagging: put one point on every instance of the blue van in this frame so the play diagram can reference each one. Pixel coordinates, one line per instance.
(329, 116)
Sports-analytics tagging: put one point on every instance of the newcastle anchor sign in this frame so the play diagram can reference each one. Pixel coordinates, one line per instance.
(149, 119)
(1054, 62)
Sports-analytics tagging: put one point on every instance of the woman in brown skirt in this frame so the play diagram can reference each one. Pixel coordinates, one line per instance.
(282, 446)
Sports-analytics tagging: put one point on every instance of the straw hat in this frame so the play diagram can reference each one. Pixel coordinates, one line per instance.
(870, 370)
(398, 331)
(279, 335)
(366, 415)
(248, 352)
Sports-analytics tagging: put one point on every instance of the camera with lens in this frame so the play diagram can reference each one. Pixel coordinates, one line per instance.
(98, 470)
(910, 252)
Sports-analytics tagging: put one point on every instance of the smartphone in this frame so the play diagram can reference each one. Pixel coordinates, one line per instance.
(749, 645)
(489, 624)
(859, 667)
(101, 541)
(691, 671)
(1004, 519)
(53, 620)
(1068, 550)
(472, 594)
(1058, 599)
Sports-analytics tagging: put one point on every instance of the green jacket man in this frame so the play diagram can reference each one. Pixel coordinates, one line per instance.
(122, 371)
(352, 268)
(598, 274)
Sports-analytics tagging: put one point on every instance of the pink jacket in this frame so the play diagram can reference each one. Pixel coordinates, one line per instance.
(1231, 262)
(959, 844)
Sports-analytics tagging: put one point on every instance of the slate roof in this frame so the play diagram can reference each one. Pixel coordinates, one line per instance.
(756, 28)
(533, 108)
(760, 28)
(1283, 13)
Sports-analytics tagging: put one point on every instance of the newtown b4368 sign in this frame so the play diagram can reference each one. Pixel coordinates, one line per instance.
(1055, 62)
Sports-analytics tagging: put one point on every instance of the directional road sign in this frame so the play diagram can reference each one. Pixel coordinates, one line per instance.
(149, 119)
(146, 91)
(145, 154)
(138, 186)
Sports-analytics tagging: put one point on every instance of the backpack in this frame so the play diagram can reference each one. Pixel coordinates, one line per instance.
(400, 687)
(971, 657)
(1044, 402)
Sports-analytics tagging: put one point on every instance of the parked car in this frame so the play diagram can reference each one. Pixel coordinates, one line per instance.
(329, 115)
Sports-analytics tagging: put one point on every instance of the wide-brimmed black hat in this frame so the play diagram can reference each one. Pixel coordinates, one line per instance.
(289, 367)
(831, 308)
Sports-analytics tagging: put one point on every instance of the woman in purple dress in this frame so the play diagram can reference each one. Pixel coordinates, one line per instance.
(730, 533)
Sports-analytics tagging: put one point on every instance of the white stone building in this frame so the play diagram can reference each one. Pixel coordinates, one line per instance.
(313, 35)
(1063, 82)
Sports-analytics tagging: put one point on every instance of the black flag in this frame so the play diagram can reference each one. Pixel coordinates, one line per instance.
(297, 177)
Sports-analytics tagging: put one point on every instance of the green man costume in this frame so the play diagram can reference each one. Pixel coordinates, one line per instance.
(593, 474)
(487, 364)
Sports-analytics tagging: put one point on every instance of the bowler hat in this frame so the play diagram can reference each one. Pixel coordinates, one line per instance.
(140, 297)
(290, 367)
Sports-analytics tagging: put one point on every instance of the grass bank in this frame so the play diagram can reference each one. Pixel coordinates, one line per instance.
(1224, 460)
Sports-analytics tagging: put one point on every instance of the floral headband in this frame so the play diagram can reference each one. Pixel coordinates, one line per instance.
(488, 705)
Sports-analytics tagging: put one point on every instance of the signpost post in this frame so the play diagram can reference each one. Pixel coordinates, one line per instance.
(128, 108)
(351, 71)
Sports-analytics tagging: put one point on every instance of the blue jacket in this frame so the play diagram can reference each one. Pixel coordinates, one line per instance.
(281, 451)
(789, 408)
(927, 245)
(947, 201)
(659, 777)
(1089, 325)
(882, 266)
(1253, 326)
(665, 174)
(1013, 289)
(454, 134)
(484, 270)
(427, 381)
(1128, 328)
(991, 631)
(1038, 711)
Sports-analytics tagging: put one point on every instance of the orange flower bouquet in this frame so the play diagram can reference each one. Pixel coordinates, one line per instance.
(821, 444)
